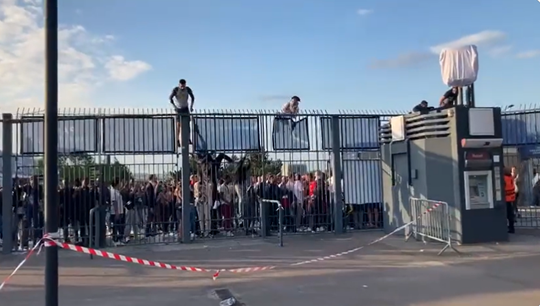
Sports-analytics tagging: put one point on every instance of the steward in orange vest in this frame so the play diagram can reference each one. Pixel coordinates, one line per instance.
(510, 198)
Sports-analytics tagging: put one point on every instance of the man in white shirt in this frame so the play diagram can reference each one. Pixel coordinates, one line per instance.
(226, 207)
(536, 177)
(181, 93)
(298, 203)
(117, 212)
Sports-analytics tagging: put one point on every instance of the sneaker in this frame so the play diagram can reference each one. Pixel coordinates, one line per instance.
(192, 236)
(229, 234)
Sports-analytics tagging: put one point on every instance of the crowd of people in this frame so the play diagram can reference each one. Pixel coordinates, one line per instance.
(148, 209)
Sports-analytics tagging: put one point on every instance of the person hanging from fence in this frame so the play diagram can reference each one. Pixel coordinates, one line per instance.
(510, 198)
(182, 93)
(288, 114)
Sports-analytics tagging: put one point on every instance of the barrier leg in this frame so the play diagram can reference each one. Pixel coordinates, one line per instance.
(91, 243)
(264, 219)
(280, 214)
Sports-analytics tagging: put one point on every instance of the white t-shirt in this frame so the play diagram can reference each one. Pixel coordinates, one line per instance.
(298, 191)
(331, 185)
(116, 201)
(226, 193)
(290, 185)
(535, 179)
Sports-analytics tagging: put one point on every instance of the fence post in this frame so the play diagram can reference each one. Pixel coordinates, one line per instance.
(186, 202)
(337, 175)
(7, 182)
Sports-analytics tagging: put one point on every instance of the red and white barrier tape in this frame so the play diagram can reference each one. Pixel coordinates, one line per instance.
(28, 255)
(48, 242)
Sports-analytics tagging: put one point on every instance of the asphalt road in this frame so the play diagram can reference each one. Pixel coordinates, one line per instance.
(389, 273)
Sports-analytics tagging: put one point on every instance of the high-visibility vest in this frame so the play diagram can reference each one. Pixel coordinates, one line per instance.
(509, 189)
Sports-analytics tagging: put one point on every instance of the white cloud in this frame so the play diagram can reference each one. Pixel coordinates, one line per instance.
(487, 39)
(528, 54)
(481, 39)
(82, 59)
(122, 70)
(500, 51)
(364, 12)
(404, 60)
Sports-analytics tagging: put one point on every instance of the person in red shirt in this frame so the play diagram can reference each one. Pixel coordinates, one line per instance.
(312, 209)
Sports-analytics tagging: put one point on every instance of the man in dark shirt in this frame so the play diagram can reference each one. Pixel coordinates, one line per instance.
(150, 194)
(450, 97)
(422, 107)
(182, 93)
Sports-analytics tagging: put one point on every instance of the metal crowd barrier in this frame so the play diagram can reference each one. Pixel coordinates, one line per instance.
(264, 218)
(431, 222)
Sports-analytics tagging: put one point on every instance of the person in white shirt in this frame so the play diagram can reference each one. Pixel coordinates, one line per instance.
(226, 207)
(117, 212)
(298, 203)
(536, 177)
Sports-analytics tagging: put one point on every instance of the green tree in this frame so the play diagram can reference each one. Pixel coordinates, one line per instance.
(177, 174)
(79, 166)
(261, 164)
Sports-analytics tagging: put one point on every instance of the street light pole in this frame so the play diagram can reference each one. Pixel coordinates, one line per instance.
(51, 149)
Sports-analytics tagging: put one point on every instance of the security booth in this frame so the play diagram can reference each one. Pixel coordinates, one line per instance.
(451, 155)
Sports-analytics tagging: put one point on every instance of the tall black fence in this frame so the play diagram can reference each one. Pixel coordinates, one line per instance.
(135, 149)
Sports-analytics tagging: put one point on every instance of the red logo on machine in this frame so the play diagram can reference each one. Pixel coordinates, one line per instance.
(477, 155)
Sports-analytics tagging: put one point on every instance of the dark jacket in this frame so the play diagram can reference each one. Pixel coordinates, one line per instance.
(150, 196)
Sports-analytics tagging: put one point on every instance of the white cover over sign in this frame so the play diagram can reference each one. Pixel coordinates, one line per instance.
(459, 67)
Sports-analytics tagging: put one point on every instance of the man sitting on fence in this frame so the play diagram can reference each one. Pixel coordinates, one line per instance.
(288, 113)
(181, 93)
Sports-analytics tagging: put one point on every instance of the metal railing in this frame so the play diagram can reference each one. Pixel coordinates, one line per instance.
(431, 222)
(132, 144)
(266, 219)
(103, 145)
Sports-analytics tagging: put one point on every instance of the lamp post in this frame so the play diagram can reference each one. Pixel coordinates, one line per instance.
(51, 149)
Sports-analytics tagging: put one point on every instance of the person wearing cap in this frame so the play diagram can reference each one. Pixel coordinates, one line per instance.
(182, 94)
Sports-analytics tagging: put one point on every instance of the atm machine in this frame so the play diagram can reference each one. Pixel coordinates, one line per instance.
(483, 207)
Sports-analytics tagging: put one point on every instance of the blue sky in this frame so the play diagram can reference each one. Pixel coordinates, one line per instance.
(333, 54)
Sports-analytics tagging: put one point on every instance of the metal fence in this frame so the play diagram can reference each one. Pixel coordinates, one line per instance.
(138, 149)
(431, 222)
(136, 152)
(521, 134)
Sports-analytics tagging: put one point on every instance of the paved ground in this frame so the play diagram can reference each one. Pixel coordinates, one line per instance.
(390, 273)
